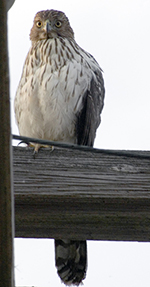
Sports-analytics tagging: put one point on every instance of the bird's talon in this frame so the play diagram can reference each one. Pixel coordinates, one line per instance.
(24, 143)
(35, 154)
(52, 148)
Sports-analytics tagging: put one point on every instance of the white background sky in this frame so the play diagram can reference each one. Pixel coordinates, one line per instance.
(116, 33)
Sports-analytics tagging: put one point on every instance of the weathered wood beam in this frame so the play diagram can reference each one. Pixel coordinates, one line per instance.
(81, 195)
(6, 198)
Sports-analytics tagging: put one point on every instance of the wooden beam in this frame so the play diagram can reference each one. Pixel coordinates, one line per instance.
(81, 195)
(6, 199)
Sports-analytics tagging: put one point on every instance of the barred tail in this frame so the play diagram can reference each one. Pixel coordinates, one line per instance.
(71, 260)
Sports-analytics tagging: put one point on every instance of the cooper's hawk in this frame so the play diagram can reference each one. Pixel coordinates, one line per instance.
(60, 98)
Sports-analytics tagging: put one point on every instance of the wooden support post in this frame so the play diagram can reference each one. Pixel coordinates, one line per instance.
(6, 199)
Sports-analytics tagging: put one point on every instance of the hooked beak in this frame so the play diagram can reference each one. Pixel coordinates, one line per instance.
(47, 27)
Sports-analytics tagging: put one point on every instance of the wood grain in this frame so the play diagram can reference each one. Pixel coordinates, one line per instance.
(81, 195)
(6, 197)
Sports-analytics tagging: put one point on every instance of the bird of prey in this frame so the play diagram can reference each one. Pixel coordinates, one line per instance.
(60, 98)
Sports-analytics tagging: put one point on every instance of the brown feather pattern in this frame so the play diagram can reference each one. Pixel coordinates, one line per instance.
(60, 97)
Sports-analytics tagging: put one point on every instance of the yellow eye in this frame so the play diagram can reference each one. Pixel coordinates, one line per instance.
(58, 24)
(39, 24)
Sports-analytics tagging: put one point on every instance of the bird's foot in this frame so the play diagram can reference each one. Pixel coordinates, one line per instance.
(38, 146)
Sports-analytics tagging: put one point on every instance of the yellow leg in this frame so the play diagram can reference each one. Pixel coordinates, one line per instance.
(38, 146)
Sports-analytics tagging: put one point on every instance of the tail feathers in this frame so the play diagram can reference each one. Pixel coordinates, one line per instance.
(71, 260)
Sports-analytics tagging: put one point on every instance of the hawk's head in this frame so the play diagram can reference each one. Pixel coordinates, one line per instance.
(50, 24)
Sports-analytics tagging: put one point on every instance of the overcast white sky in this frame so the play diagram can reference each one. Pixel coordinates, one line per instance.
(116, 33)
